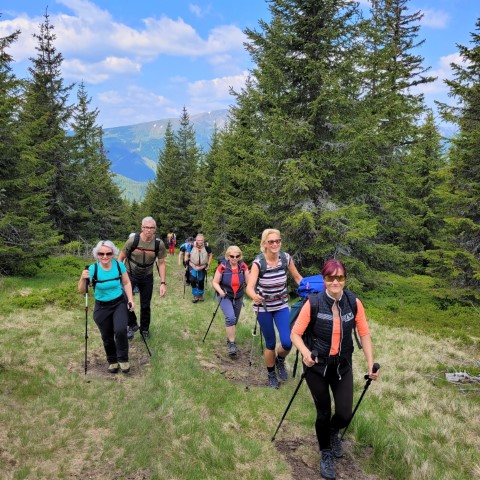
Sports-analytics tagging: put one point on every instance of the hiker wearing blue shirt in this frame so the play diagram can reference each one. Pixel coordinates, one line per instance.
(110, 280)
(267, 287)
(183, 248)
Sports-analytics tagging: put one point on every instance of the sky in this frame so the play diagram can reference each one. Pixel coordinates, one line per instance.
(146, 60)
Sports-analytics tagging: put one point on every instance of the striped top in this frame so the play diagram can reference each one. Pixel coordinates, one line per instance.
(273, 286)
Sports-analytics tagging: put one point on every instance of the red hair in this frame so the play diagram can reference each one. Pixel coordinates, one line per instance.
(331, 266)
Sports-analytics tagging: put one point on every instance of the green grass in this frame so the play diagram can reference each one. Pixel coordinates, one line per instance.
(179, 417)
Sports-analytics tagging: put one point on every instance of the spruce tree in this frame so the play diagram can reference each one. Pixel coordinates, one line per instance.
(463, 215)
(26, 236)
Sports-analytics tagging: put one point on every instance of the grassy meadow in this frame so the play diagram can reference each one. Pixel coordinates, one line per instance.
(185, 412)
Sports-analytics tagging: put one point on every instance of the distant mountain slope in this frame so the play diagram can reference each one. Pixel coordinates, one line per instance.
(131, 190)
(134, 149)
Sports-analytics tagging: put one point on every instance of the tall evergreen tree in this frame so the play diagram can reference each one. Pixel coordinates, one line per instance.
(25, 233)
(464, 156)
(98, 210)
(45, 117)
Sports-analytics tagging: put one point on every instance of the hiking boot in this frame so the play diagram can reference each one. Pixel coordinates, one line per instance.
(195, 299)
(200, 298)
(130, 333)
(336, 444)
(327, 465)
(113, 368)
(272, 380)
(124, 367)
(232, 348)
(145, 333)
(281, 368)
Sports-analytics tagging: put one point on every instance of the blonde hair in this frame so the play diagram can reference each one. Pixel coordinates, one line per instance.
(234, 250)
(265, 234)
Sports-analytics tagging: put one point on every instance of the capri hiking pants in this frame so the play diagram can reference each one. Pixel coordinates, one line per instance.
(281, 319)
(231, 308)
(112, 320)
(342, 390)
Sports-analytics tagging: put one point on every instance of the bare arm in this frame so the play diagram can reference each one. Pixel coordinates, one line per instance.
(162, 267)
(294, 272)
(368, 352)
(122, 256)
(252, 283)
(127, 286)
(82, 282)
(216, 283)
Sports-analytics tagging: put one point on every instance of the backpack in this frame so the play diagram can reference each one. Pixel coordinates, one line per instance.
(135, 243)
(263, 263)
(312, 296)
(95, 279)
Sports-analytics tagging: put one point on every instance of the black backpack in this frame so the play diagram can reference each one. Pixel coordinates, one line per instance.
(95, 279)
(263, 263)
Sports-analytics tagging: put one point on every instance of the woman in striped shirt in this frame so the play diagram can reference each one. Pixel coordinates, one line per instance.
(267, 287)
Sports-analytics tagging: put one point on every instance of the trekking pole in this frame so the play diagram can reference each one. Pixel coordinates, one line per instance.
(254, 334)
(87, 282)
(313, 355)
(211, 321)
(376, 367)
(145, 341)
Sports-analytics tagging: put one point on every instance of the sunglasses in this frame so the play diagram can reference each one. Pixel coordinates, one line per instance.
(332, 278)
(105, 254)
(149, 228)
(278, 241)
(234, 256)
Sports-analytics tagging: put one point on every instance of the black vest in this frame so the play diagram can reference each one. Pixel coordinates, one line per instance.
(226, 281)
(323, 327)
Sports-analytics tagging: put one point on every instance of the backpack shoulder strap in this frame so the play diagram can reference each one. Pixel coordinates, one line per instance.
(263, 264)
(95, 275)
(352, 301)
(314, 307)
(136, 240)
(283, 259)
(157, 247)
(118, 268)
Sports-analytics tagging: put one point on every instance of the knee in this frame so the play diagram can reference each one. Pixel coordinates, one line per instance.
(230, 321)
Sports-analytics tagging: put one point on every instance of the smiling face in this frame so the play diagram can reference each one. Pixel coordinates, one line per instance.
(272, 243)
(105, 255)
(335, 283)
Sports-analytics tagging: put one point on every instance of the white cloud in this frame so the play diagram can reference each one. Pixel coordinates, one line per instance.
(199, 11)
(435, 18)
(99, 72)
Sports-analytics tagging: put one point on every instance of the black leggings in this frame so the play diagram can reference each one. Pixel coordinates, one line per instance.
(342, 391)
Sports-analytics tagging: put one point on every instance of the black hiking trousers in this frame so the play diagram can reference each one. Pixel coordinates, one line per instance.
(112, 320)
(145, 287)
(342, 390)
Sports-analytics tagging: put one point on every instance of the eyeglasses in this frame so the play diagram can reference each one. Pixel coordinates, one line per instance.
(105, 254)
(234, 256)
(149, 228)
(278, 241)
(332, 278)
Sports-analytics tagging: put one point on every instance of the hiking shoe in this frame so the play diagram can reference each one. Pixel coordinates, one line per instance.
(281, 368)
(113, 368)
(232, 348)
(336, 444)
(272, 380)
(124, 367)
(200, 298)
(195, 299)
(145, 333)
(130, 333)
(327, 465)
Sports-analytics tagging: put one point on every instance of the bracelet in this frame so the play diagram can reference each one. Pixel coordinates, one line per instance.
(163, 283)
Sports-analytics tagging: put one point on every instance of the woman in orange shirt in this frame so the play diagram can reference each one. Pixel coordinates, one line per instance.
(331, 369)
(229, 283)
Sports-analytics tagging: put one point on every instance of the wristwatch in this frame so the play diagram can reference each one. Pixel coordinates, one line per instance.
(162, 283)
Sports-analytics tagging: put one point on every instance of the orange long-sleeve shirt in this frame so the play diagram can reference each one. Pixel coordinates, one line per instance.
(303, 320)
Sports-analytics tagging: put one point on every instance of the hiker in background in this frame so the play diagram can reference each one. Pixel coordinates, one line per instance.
(229, 283)
(267, 287)
(171, 242)
(332, 369)
(139, 255)
(183, 249)
(109, 282)
(198, 256)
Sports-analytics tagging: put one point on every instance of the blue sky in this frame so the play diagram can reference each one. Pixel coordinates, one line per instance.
(145, 60)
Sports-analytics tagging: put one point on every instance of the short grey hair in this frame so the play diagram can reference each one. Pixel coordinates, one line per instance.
(105, 243)
(149, 219)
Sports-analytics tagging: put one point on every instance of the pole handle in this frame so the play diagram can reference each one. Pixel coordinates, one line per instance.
(375, 369)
